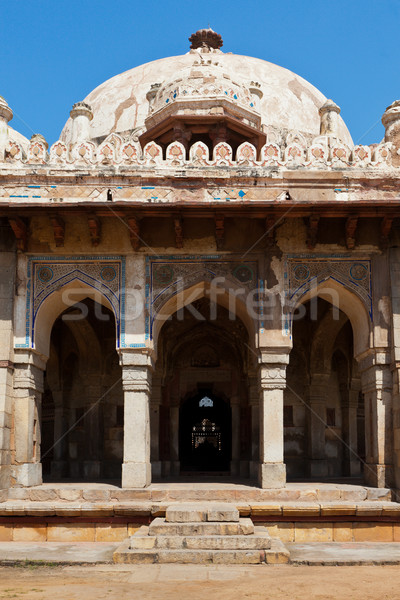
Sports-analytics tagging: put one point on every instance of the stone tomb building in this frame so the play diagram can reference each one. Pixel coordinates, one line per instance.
(200, 278)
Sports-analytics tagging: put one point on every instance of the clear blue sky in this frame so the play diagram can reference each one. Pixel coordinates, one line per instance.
(54, 52)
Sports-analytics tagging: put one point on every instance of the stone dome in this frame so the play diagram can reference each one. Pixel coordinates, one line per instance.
(288, 102)
(14, 136)
(17, 137)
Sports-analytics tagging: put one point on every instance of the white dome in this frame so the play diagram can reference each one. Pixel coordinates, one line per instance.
(289, 102)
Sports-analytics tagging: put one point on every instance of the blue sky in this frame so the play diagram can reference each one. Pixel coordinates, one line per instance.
(54, 52)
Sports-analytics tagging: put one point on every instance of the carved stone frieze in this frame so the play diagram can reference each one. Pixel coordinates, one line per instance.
(304, 272)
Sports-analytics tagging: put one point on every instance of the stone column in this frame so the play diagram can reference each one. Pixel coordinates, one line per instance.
(93, 428)
(272, 377)
(136, 383)
(349, 404)
(317, 425)
(7, 291)
(59, 464)
(235, 462)
(155, 403)
(254, 401)
(174, 436)
(28, 389)
(376, 382)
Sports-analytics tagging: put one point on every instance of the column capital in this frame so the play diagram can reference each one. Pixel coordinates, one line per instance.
(372, 358)
(139, 357)
(272, 376)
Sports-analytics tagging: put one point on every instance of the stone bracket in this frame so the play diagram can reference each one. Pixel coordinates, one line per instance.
(178, 226)
(94, 229)
(58, 229)
(312, 231)
(219, 230)
(350, 231)
(21, 231)
(134, 231)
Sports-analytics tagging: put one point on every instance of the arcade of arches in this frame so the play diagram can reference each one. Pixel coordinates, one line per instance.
(205, 402)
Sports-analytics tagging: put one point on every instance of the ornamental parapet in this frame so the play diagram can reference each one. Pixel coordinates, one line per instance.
(323, 153)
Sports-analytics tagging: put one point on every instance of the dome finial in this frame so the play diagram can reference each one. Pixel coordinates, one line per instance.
(205, 37)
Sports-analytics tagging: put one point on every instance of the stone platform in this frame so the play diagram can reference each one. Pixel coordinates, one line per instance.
(103, 512)
(202, 532)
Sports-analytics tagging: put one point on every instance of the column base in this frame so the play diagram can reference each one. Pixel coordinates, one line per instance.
(318, 467)
(59, 468)
(28, 474)
(136, 475)
(380, 476)
(234, 468)
(272, 475)
(355, 468)
(244, 468)
(91, 469)
(254, 465)
(175, 467)
(156, 469)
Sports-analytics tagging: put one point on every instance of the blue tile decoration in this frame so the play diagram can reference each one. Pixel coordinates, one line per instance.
(46, 274)
(166, 276)
(302, 271)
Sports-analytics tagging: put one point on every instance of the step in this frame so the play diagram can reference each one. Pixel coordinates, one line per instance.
(195, 512)
(141, 540)
(277, 554)
(159, 526)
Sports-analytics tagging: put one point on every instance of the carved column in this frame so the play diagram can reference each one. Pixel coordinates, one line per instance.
(349, 397)
(272, 377)
(174, 436)
(28, 389)
(155, 403)
(235, 408)
(317, 425)
(93, 428)
(8, 260)
(254, 401)
(136, 383)
(376, 383)
(59, 464)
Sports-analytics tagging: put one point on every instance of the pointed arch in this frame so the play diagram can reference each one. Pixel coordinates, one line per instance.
(348, 302)
(55, 304)
(224, 296)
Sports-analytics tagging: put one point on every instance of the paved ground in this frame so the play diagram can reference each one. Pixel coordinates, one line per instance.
(355, 553)
(180, 582)
(57, 552)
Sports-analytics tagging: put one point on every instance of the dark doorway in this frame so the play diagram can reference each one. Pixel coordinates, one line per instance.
(205, 439)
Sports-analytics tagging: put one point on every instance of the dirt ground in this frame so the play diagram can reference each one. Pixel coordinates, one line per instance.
(177, 582)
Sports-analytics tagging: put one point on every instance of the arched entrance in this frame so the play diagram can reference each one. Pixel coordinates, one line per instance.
(323, 411)
(201, 382)
(205, 433)
(82, 407)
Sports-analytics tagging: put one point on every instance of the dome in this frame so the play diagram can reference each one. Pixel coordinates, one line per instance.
(15, 136)
(288, 102)
(6, 114)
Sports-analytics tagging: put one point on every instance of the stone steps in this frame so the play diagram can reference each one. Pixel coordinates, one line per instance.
(260, 540)
(161, 527)
(202, 533)
(276, 554)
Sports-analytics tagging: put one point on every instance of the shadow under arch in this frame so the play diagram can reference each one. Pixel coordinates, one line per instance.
(223, 296)
(56, 303)
(348, 302)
